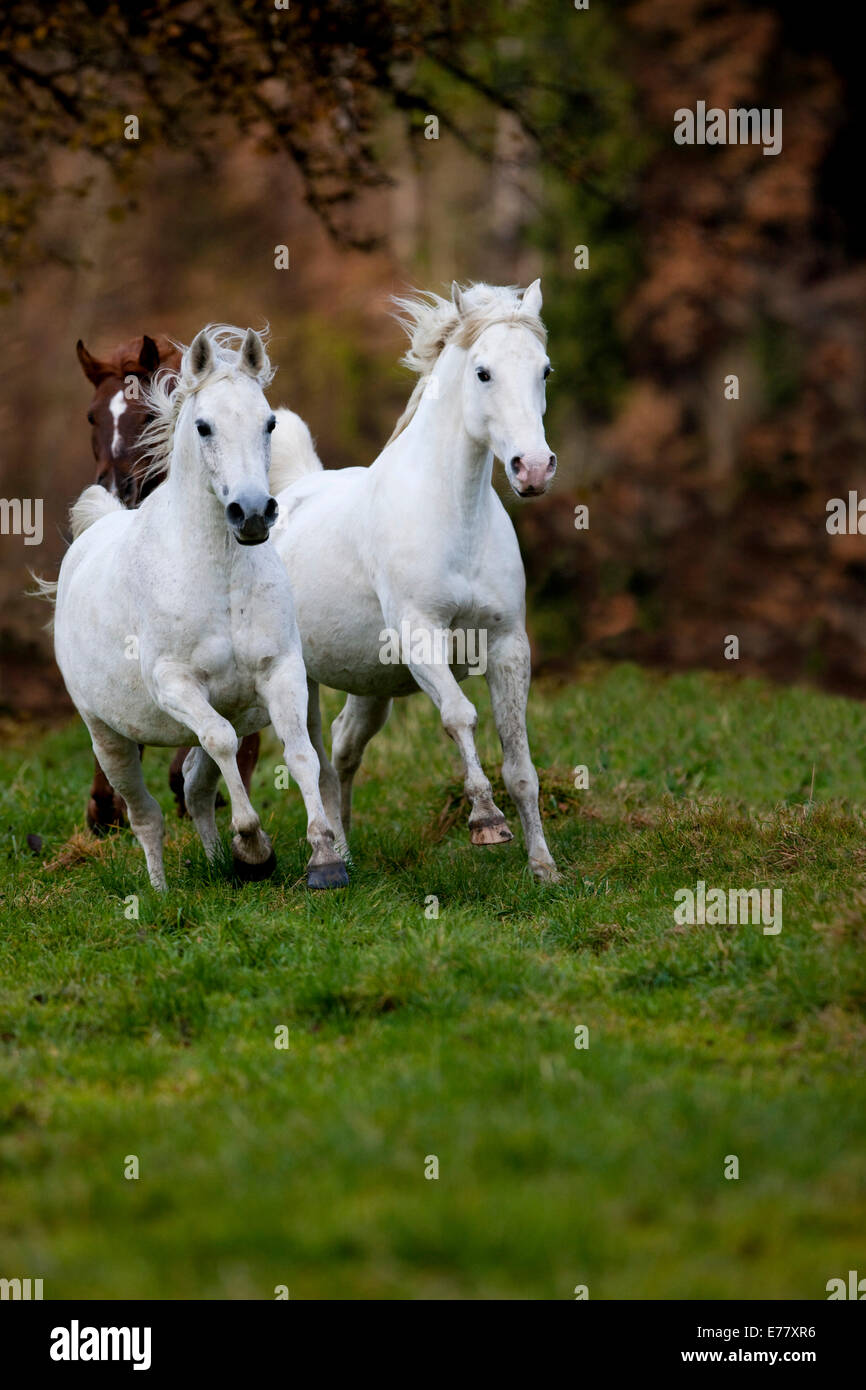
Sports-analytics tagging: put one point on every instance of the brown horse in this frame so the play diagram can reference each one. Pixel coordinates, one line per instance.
(117, 415)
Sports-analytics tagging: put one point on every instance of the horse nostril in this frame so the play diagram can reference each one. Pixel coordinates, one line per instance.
(551, 463)
(515, 463)
(271, 510)
(235, 513)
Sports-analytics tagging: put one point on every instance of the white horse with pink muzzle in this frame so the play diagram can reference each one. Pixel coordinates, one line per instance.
(386, 558)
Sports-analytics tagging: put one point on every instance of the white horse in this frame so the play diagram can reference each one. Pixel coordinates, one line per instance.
(417, 550)
(174, 624)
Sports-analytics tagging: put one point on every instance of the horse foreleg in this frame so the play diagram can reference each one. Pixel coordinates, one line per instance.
(508, 670)
(487, 824)
(181, 696)
(329, 782)
(248, 756)
(284, 691)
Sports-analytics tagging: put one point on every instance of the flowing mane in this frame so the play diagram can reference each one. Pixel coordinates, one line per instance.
(433, 323)
(168, 391)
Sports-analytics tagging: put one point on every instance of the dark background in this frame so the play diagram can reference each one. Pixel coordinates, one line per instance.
(307, 128)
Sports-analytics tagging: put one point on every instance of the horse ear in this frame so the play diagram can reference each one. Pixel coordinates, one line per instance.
(91, 366)
(457, 296)
(148, 358)
(253, 358)
(199, 354)
(530, 306)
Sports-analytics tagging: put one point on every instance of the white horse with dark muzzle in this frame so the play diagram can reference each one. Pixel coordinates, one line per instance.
(400, 570)
(174, 622)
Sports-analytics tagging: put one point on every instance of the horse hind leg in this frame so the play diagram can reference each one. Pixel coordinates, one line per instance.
(361, 717)
(120, 759)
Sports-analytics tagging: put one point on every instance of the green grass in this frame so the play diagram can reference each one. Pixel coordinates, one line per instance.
(454, 1036)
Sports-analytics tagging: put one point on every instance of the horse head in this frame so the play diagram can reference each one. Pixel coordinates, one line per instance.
(118, 411)
(490, 344)
(219, 422)
(503, 391)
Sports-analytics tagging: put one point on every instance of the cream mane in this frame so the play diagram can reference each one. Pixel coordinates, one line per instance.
(168, 391)
(433, 323)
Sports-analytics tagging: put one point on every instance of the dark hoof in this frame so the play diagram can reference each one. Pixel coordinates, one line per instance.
(252, 873)
(327, 875)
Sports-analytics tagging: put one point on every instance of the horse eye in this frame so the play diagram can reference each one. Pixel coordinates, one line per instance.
(203, 428)
(548, 369)
(483, 374)
(271, 425)
(90, 419)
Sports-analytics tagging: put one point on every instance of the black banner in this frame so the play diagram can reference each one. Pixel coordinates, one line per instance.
(66, 1339)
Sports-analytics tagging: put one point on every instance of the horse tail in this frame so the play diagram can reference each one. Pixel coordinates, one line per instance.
(93, 503)
(292, 451)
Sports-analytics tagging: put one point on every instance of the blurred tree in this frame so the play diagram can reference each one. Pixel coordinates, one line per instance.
(309, 79)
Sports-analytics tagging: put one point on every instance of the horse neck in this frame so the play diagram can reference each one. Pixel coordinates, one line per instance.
(194, 510)
(458, 469)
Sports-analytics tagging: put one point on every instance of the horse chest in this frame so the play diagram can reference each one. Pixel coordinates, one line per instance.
(214, 656)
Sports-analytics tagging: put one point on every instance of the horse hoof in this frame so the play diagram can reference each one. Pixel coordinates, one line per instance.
(331, 875)
(490, 832)
(252, 873)
(546, 873)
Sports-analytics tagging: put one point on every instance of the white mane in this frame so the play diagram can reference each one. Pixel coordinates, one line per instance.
(432, 323)
(168, 392)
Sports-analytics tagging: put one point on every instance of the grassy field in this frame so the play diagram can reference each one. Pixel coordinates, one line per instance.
(412, 1036)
